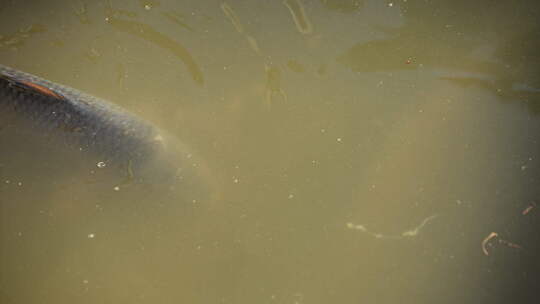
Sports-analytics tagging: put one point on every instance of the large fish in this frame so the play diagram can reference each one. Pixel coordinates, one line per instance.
(94, 131)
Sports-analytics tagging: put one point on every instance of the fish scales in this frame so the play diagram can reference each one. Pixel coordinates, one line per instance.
(79, 120)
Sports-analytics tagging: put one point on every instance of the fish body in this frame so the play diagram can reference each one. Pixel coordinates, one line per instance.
(77, 131)
(79, 120)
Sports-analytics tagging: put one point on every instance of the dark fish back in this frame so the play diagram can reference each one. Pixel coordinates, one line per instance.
(78, 120)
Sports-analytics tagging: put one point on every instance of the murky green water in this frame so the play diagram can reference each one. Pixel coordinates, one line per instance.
(360, 151)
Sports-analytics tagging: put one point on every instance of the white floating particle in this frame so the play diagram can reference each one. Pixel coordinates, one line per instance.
(101, 164)
(390, 4)
(235, 180)
(291, 196)
(339, 139)
(147, 7)
(356, 227)
(116, 188)
(91, 236)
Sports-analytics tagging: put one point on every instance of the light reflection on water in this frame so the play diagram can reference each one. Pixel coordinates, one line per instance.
(361, 151)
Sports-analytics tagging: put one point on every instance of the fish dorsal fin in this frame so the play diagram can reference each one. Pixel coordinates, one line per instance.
(28, 85)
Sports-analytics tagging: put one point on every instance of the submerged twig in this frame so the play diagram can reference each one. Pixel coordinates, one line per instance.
(408, 233)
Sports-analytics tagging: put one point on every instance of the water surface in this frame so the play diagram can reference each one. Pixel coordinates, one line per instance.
(358, 151)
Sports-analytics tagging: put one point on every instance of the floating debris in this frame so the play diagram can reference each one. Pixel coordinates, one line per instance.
(273, 83)
(121, 74)
(414, 232)
(486, 242)
(177, 18)
(528, 209)
(233, 18)
(149, 34)
(510, 244)
(299, 16)
(148, 5)
(254, 45)
(357, 227)
(229, 12)
(409, 233)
